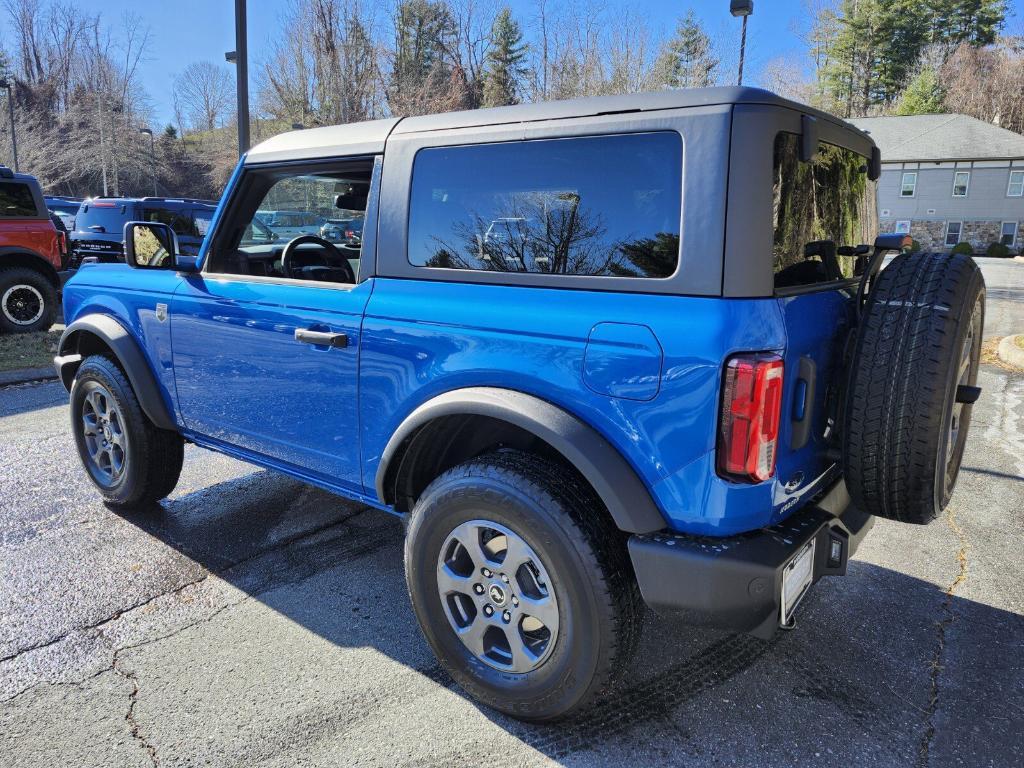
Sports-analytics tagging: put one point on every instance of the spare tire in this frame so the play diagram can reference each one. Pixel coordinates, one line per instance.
(912, 382)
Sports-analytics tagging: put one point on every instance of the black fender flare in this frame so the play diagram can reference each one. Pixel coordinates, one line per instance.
(129, 355)
(612, 477)
(30, 259)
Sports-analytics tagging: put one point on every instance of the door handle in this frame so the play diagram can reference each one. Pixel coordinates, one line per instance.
(322, 338)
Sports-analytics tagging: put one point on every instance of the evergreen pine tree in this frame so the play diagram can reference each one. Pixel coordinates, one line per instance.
(687, 59)
(504, 70)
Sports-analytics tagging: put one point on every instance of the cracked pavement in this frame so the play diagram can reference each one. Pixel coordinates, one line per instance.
(251, 620)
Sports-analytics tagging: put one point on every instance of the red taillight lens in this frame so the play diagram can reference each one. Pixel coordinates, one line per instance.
(748, 426)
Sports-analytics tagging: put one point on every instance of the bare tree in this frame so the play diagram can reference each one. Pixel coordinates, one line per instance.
(205, 92)
(1001, 68)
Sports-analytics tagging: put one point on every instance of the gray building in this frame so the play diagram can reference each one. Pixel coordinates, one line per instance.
(948, 179)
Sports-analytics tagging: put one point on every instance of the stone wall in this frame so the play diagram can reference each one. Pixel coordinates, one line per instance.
(931, 234)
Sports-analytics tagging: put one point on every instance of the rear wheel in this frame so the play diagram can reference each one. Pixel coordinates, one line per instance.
(913, 380)
(130, 460)
(522, 585)
(28, 301)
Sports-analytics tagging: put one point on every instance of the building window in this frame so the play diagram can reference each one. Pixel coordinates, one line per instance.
(902, 227)
(960, 181)
(908, 185)
(1016, 185)
(1008, 234)
(952, 233)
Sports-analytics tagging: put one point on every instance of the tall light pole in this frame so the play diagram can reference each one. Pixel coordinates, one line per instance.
(5, 83)
(742, 8)
(152, 157)
(240, 58)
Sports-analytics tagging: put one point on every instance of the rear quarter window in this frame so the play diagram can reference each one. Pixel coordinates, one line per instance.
(16, 200)
(826, 201)
(598, 206)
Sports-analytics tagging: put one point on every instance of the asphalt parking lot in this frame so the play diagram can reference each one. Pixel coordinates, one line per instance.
(251, 620)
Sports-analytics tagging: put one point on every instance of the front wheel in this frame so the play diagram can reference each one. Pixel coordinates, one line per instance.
(131, 461)
(522, 585)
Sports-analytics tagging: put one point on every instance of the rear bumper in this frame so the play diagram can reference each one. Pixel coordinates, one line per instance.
(735, 583)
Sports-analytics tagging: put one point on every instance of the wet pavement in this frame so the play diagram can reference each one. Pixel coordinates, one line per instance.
(252, 620)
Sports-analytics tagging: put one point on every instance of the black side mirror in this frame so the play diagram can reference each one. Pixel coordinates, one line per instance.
(150, 245)
(875, 164)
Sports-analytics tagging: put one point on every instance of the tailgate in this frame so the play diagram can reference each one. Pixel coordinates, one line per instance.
(817, 325)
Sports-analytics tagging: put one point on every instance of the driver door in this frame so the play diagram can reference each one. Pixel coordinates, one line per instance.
(265, 339)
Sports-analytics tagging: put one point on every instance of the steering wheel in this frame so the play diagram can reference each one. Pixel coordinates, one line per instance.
(289, 253)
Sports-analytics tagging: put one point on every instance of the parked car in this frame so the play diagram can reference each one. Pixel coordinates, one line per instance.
(673, 398)
(65, 207)
(99, 224)
(289, 224)
(31, 256)
(347, 232)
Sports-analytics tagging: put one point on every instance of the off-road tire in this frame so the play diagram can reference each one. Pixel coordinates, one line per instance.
(153, 457)
(902, 389)
(599, 604)
(11, 278)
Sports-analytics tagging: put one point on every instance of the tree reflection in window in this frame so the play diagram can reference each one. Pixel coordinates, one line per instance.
(828, 199)
(593, 206)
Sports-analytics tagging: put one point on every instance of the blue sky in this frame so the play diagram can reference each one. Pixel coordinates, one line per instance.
(184, 31)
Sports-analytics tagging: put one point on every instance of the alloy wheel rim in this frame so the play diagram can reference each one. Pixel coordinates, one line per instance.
(498, 596)
(106, 443)
(956, 420)
(22, 304)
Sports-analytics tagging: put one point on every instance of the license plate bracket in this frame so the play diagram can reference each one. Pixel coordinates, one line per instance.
(797, 577)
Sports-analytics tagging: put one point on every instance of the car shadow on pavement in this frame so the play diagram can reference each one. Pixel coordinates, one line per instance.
(873, 675)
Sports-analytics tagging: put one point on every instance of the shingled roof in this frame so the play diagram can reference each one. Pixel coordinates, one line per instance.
(940, 137)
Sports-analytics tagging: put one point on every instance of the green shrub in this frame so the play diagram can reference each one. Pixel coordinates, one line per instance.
(998, 250)
(964, 248)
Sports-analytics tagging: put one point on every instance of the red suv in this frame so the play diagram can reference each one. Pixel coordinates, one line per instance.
(32, 252)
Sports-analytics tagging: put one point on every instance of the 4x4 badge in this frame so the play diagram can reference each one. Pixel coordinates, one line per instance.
(161, 312)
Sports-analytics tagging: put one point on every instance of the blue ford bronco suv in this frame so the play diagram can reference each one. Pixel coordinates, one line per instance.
(600, 354)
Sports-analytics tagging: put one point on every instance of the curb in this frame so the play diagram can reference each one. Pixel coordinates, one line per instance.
(1010, 352)
(25, 375)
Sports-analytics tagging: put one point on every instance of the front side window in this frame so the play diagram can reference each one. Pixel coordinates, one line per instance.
(1008, 234)
(16, 200)
(961, 179)
(1016, 185)
(598, 206)
(249, 244)
(909, 185)
(818, 207)
(952, 233)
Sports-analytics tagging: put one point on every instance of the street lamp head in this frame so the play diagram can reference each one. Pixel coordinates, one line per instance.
(741, 7)
(147, 131)
(231, 57)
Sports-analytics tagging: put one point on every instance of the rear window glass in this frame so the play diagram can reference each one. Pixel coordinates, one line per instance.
(602, 205)
(16, 200)
(819, 208)
(110, 216)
